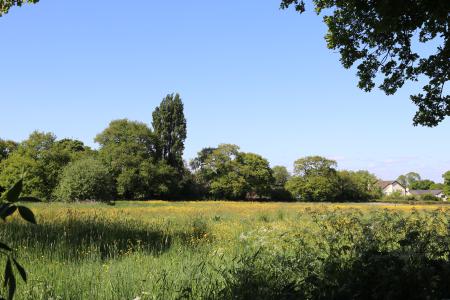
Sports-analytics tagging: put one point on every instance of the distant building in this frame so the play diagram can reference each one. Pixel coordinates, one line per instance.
(437, 193)
(392, 186)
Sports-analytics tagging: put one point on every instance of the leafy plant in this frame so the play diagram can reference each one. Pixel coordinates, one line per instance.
(8, 206)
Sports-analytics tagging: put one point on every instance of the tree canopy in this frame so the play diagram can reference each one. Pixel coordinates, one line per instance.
(5, 5)
(169, 125)
(229, 173)
(281, 175)
(42, 157)
(316, 179)
(358, 186)
(408, 179)
(425, 184)
(446, 177)
(314, 165)
(125, 146)
(381, 37)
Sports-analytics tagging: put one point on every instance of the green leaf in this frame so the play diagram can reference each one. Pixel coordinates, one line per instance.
(21, 270)
(3, 208)
(27, 214)
(12, 286)
(29, 199)
(8, 272)
(12, 195)
(10, 280)
(6, 212)
(5, 247)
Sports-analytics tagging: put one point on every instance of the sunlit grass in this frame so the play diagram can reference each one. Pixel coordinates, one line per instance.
(171, 250)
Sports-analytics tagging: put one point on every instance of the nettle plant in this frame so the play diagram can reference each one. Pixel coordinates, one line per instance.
(8, 206)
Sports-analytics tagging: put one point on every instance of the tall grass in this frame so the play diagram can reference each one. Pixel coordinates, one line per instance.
(218, 250)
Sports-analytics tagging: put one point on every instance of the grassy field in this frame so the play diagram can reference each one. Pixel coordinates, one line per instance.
(230, 250)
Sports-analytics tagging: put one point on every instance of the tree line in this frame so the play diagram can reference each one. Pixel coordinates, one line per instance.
(414, 181)
(135, 161)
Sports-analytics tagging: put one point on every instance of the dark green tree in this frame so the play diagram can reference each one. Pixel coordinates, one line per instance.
(43, 158)
(124, 147)
(199, 162)
(380, 37)
(281, 176)
(314, 188)
(437, 186)
(358, 186)
(257, 174)
(169, 125)
(314, 165)
(225, 172)
(315, 179)
(424, 184)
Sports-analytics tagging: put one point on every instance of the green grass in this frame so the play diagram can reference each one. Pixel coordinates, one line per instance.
(220, 250)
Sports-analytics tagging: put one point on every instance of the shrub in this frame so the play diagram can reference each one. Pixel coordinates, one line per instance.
(346, 255)
(358, 186)
(429, 197)
(313, 188)
(85, 179)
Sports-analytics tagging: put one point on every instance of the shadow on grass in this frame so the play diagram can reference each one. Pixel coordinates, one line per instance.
(78, 238)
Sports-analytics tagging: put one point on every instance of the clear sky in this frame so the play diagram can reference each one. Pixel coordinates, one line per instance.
(248, 73)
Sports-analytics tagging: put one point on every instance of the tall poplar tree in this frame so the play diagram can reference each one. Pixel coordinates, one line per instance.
(169, 125)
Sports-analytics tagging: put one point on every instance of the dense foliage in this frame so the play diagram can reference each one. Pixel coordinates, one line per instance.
(358, 186)
(128, 148)
(219, 250)
(381, 37)
(280, 177)
(43, 158)
(169, 125)
(228, 173)
(316, 179)
(85, 179)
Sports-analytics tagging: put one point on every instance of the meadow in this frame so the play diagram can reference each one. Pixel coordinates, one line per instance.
(233, 250)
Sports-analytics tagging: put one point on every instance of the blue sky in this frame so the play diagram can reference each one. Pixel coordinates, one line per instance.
(248, 73)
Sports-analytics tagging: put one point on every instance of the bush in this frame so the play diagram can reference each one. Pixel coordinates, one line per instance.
(280, 194)
(346, 255)
(313, 188)
(429, 197)
(85, 179)
(396, 196)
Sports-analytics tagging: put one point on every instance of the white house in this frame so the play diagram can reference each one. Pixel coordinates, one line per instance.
(392, 186)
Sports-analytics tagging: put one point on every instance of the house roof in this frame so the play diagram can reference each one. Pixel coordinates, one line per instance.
(384, 183)
(424, 192)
